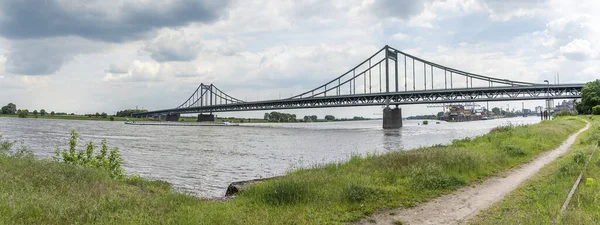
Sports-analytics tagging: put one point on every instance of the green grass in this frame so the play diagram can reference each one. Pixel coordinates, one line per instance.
(39, 191)
(539, 199)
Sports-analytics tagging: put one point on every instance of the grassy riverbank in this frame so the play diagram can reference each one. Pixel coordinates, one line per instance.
(539, 200)
(39, 191)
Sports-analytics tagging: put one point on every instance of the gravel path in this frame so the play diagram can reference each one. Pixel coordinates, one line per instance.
(465, 203)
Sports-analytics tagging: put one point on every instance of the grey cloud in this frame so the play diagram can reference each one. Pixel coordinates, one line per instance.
(45, 56)
(400, 9)
(172, 48)
(101, 20)
(118, 68)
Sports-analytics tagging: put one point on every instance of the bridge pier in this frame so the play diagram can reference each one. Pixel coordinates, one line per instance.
(206, 118)
(392, 118)
(169, 117)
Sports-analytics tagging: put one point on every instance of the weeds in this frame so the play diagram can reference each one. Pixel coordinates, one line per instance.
(107, 160)
(6, 149)
(433, 178)
(579, 157)
(285, 192)
(514, 151)
(356, 192)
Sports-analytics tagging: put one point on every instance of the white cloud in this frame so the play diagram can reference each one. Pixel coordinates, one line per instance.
(139, 72)
(503, 10)
(399, 37)
(579, 50)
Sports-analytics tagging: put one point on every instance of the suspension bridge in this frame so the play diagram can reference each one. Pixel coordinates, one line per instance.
(387, 78)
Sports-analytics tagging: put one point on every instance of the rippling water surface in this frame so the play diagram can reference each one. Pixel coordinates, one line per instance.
(204, 160)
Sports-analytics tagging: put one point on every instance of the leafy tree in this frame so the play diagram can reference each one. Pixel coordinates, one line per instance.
(306, 118)
(43, 112)
(10, 108)
(496, 110)
(23, 113)
(104, 115)
(329, 117)
(97, 114)
(35, 112)
(129, 112)
(52, 113)
(314, 118)
(281, 117)
(590, 97)
(112, 118)
(596, 110)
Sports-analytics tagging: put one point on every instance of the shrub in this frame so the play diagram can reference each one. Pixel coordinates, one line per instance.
(596, 110)
(563, 113)
(579, 157)
(108, 160)
(111, 118)
(23, 113)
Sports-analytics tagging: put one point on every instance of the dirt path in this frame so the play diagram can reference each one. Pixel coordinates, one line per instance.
(463, 204)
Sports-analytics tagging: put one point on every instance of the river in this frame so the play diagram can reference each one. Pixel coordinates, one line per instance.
(204, 160)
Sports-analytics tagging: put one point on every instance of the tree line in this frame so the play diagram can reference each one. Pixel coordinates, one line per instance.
(286, 117)
(11, 109)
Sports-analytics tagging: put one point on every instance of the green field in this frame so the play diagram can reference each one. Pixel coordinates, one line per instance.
(539, 200)
(42, 191)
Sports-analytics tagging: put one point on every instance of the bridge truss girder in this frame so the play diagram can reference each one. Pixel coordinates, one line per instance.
(510, 93)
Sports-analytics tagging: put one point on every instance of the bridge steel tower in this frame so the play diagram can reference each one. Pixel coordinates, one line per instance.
(374, 82)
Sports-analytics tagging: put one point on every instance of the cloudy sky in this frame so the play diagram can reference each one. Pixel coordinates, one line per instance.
(104, 56)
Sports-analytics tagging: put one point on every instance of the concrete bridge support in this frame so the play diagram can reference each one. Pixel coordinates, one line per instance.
(169, 117)
(392, 118)
(206, 118)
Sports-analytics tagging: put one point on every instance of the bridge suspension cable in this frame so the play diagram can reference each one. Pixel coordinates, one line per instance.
(362, 73)
(208, 95)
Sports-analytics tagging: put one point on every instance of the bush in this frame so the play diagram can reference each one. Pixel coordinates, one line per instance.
(579, 157)
(563, 113)
(111, 118)
(23, 113)
(596, 110)
(109, 161)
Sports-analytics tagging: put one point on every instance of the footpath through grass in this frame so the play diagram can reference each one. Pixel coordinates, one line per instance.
(539, 200)
(40, 191)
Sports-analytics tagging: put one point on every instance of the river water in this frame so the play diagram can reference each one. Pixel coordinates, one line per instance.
(204, 160)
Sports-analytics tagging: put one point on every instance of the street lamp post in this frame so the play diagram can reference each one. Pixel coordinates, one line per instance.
(548, 97)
